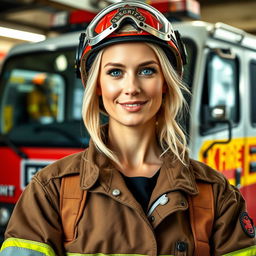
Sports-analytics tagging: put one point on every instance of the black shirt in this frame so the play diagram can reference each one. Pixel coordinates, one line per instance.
(141, 188)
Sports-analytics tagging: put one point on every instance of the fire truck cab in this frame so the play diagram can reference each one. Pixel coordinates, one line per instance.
(40, 107)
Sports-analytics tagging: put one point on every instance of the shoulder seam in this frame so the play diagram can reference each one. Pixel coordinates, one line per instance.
(43, 188)
(57, 169)
(219, 178)
(227, 197)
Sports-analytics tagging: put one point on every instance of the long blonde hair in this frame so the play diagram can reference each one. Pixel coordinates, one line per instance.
(169, 133)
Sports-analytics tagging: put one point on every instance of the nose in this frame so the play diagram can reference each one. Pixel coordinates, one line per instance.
(132, 86)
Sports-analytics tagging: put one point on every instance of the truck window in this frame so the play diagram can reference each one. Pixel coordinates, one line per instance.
(253, 91)
(32, 97)
(41, 99)
(221, 88)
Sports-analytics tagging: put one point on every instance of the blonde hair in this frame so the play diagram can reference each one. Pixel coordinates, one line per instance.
(169, 133)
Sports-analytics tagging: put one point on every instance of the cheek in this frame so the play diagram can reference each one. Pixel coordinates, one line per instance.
(155, 88)
(109, 90)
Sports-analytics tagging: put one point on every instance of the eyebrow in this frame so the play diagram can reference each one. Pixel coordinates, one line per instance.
(114, 64)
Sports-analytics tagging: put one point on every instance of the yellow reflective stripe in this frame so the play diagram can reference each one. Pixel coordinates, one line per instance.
(103, 254)
(249, 251)
(28, 244)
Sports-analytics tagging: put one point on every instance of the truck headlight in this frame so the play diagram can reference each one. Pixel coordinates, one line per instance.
(4, 216)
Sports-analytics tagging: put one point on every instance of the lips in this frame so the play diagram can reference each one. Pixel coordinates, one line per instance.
(133, 103)
(133, 106)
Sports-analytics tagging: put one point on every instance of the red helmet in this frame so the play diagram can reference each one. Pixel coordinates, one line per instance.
(149, 25)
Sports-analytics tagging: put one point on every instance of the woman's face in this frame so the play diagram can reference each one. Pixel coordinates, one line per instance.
(131, 84)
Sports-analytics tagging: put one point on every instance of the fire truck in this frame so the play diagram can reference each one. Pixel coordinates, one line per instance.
(41, 98)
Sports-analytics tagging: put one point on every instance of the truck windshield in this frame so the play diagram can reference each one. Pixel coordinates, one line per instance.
(41, 99)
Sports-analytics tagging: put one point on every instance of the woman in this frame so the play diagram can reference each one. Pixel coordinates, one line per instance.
(140, 183)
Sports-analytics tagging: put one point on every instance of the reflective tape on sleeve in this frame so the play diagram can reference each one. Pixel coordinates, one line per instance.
(249, 251)
(21, 247)
(103, 254)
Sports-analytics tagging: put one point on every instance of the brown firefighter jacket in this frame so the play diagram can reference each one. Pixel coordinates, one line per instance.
(113, 222)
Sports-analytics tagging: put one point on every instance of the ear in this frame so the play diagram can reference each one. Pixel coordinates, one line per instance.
(164, 89)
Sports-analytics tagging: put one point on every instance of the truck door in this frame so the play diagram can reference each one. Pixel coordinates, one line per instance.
(219, 140)
(223, 130)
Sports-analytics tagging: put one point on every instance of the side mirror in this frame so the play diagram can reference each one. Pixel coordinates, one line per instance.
(218, 113)
(212, 116)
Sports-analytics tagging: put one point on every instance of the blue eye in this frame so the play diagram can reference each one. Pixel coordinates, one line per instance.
(114, 72)
(147, 71)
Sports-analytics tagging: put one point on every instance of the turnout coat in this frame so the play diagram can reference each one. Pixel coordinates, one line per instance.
(114, 223)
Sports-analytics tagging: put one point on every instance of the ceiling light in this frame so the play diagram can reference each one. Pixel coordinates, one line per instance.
(21, 35)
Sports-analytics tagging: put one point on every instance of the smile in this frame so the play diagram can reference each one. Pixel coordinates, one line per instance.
(133, 106)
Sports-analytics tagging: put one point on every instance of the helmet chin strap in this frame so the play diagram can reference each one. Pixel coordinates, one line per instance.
(79, 53)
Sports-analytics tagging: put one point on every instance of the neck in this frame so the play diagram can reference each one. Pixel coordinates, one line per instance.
(136, 148)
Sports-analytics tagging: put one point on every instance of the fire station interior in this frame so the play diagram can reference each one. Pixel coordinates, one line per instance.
(34, 94)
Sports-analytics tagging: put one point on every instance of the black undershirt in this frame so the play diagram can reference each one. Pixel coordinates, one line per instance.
(141, 188)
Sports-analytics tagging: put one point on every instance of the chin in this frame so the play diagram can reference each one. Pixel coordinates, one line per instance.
(135, 123)
(131, 124)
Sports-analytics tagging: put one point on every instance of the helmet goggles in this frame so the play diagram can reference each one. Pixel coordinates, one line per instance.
(149, 26)
(143, 16)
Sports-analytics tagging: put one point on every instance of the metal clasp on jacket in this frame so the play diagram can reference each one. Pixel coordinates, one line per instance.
(162, 200)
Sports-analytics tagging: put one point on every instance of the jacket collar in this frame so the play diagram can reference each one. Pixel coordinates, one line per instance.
(94, 166)
(173, 176)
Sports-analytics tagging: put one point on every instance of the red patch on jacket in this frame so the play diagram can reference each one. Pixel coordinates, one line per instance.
(247, 224)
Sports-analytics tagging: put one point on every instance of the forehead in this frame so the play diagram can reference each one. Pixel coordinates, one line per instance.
(132, 52)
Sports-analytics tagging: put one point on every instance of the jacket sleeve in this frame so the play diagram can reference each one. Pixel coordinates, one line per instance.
(233, 231)
(35, 226)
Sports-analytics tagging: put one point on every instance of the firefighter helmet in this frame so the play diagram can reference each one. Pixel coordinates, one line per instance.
(149, 25)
